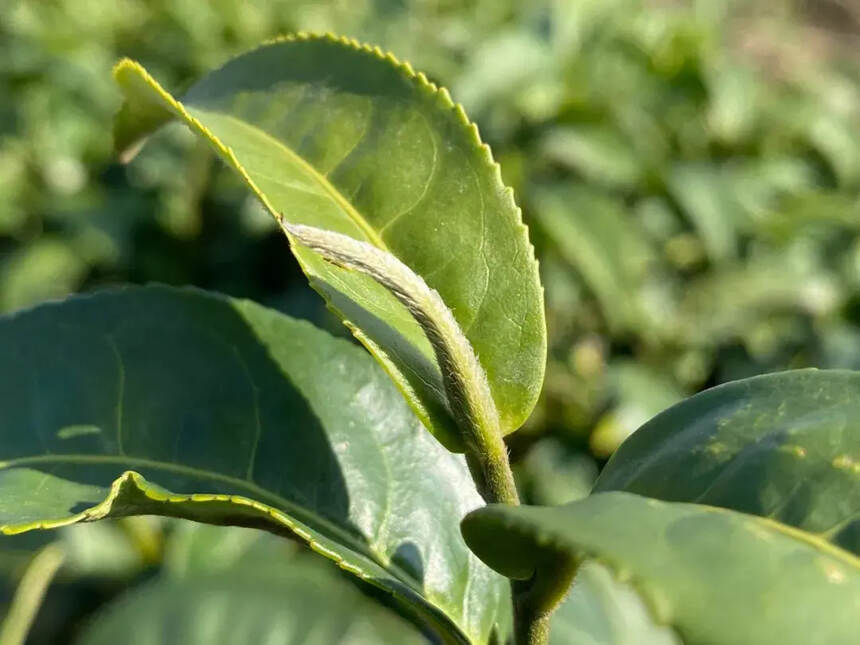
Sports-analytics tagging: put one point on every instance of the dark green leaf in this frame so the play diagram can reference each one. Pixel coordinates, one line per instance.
(714, 576)
(339, 136)
(785, 446)
(249, 418)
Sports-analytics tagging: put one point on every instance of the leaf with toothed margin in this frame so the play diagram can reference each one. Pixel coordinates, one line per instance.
(784, 446)
(712, 575)
(190, 405)
(337, 135)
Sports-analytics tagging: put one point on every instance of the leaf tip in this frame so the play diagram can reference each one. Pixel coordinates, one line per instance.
(126, 66)
(139, 115)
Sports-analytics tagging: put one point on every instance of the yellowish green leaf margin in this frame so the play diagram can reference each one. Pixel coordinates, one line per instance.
(131, 494)
(140, 118)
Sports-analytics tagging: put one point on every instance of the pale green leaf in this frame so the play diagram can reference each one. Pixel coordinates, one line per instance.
(639, 392)
(602, 610)
(725, 304)
(465, 383)
(333, 134)
(599, 153)
(703, 195)
(28, 596)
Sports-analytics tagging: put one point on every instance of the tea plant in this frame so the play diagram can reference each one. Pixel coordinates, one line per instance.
(733, 516)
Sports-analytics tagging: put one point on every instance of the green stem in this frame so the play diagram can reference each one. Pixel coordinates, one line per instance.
(491, 470)
(29, 594)
(530, 629)
(537, 598)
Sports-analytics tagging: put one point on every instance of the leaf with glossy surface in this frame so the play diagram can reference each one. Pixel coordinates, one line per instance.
(337, 135)
(713, 575)
(785, 446)
(249, 418)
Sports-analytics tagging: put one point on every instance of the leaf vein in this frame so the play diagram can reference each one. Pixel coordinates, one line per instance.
(120, 394)
(326, 185)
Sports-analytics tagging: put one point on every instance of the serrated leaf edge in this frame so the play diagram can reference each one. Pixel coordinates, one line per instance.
(280, 524)
(127, 65)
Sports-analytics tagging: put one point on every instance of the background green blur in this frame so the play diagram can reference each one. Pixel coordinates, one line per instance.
(689, 171)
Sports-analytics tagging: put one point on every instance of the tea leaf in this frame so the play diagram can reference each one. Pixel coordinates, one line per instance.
(784, 446)
(221, 411)
(333, 134)
(713, 575)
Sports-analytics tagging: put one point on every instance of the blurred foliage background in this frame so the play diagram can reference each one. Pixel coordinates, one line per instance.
(690, 172)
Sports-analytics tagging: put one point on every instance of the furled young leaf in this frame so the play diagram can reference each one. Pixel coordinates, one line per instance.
(249, 418)
(465, 383)
(337, 135)
(785, 446)
(280, 602)
(713, 575)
